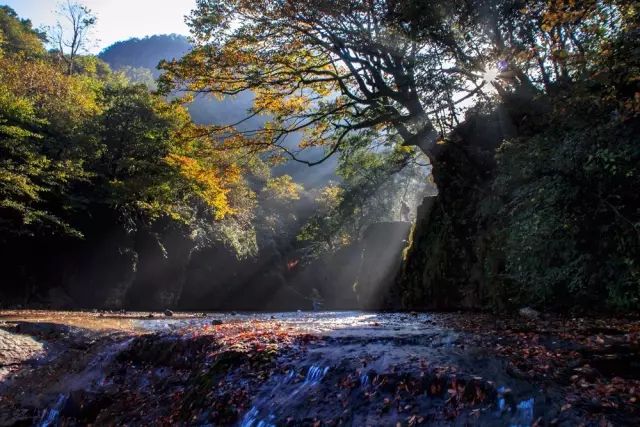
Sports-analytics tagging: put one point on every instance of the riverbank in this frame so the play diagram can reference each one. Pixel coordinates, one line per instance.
(325, 368)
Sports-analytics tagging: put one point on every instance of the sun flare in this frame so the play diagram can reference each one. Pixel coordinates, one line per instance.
(491, 75)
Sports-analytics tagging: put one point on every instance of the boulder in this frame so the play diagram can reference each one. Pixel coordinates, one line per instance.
(529, 313)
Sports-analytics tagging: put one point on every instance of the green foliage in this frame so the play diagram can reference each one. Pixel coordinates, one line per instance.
(25, 174)
(367, 193)
(139, 75)
(42, 116)
(566, 195)
(570, 226)
(17, 35)
(74, 143)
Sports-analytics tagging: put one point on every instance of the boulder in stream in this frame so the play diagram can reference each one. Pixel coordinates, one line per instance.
(529, 313)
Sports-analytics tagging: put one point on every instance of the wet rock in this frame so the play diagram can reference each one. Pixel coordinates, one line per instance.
(16, 349)
(233, 313)
(84, 406)
(215, 322)
(168, 313)
(150, 315)
(42, 329)
(529, 313)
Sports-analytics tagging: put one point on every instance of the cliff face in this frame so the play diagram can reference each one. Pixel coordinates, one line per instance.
(382, 244)
(443, 266)
(538, 206)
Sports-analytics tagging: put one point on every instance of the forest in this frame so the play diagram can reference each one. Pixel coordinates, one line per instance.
(522, 117)
(468, 165)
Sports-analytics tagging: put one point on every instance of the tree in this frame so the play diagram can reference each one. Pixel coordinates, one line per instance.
(366, 194)
(18, 35)
(71, 33)
(42, 114)
(152, 163)
(333, 68)
(329, 68)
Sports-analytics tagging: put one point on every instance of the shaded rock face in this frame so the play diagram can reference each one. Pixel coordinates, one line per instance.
(333, 276)
(164, 254)
(382, 244)
(217, 280)
(104, 275)
(64, 272)
(160, 267)
(444, 265)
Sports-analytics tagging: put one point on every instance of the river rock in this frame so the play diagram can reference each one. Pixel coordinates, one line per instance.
(529, 313)
(168, 313)
(215, 322)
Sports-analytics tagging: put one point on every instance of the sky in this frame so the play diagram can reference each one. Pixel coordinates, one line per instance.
(117, 19)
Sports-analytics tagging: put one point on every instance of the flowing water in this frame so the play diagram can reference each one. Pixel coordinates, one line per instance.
(50, 415)
(370, 368)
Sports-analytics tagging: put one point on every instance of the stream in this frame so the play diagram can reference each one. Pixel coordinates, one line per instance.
(335, 368)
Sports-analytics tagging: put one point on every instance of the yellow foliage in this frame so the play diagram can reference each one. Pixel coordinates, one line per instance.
(63, 100)
(212, 185)
(274, 103)
(330, 196)
(283, 188)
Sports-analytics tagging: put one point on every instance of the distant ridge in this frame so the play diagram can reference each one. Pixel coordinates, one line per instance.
(145, 52)
(138, 58)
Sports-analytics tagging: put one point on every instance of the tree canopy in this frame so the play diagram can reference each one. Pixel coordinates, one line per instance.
(334, 68)
(72, 141)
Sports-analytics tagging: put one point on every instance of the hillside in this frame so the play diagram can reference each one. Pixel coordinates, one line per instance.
(139, 59)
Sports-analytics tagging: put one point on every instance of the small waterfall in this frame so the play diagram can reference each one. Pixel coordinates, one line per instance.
(501, 399)
(91, 376)
(315, 374)
(524, 414)
(364, 380)
(50, 416)
(251, 419)
(290, 376)
(262, 413)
